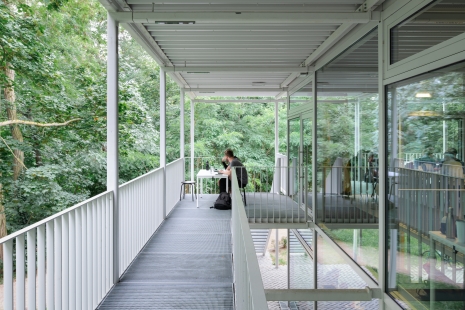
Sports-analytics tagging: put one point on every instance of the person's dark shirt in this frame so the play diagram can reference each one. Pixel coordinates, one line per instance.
(241, 172)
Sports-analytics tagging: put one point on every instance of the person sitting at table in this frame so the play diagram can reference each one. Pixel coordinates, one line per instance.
(451, 166)
(241, 172)
(427, 162)
(451, 155)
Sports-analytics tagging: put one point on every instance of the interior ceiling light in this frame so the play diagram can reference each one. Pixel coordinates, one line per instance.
(423, 94)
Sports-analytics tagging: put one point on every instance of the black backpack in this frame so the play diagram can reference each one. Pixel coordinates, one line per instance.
(223, 202)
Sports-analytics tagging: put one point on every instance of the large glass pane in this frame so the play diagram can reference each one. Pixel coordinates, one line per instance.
(436, 23)
(347, 148)
(425, 190)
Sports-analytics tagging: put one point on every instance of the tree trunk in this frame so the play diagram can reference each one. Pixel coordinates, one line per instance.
(17, 135)
(15, 131)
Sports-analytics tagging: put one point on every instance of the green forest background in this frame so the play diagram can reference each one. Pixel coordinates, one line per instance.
(53, 74)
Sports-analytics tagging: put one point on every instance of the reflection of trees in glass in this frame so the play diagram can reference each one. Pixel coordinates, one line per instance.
(421, 119)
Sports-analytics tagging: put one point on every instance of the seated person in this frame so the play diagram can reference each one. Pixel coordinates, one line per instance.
(427, 161)
(451, 166)
(233, 161)
(451, 155)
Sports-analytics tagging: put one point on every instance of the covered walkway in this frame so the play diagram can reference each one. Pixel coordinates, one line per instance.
(185, 265)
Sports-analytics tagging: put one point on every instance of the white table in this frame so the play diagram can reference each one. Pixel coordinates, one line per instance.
(208, 174)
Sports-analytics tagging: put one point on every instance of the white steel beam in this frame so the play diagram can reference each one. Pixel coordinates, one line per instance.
(112, 134)
(210, 69)
(237, 100)
(213, 90)
(163, 134)
(192, 140)
(365, 294)
(244, 17)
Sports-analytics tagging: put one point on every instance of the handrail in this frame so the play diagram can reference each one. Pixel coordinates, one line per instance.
(48, 219)
(249, 289)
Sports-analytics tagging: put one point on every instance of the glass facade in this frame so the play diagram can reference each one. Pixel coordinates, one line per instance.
(425, 189)
(435, 24)
(347, 151)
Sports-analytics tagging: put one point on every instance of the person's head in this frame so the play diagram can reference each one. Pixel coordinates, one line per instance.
(229, 154)
(452, 151)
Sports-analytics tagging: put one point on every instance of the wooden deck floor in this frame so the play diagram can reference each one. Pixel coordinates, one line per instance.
(186, 265)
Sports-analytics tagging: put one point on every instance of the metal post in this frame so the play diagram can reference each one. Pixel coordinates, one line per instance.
(276, 249)
(112, 133)
(192, 141)
(276, 129)
(382, 112)
(163, 134)
(181, 121)
(314, 186)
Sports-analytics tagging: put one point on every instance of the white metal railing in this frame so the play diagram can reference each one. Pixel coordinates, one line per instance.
(64, 261)
(139, 215)
(174, 177)
(249, 291)
(70, 254)
(413, 156)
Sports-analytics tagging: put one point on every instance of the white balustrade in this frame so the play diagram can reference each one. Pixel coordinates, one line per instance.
(141, 213)
(174, 177)
(54, 252)
(248, 284)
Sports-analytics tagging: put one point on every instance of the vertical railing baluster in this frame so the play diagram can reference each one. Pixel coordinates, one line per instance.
(95, 269)
(84, 267)
(72, 260)
(78, 255)
(20, 273)
(41, 267)
(8, 274)
(99, 250)
(89, 259)
(50, 287)
(65, 262)
(31, 269)
(57, 235)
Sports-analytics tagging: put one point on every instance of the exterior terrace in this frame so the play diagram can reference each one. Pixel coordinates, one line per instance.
(349, 73)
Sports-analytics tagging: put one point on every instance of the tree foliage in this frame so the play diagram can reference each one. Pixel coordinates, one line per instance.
(58, 51)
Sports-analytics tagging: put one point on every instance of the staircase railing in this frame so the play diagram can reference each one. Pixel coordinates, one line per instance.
(249, 291)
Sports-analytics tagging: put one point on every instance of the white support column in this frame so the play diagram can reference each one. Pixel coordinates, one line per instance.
(192, 141)
(112, 133)
(181, 124)
(382, 112)
(314, 187)
(276, 181)
(163, 134)
(276, 128)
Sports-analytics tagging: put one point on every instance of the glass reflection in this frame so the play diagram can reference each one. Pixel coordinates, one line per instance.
(425, 190)
(347, 151)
